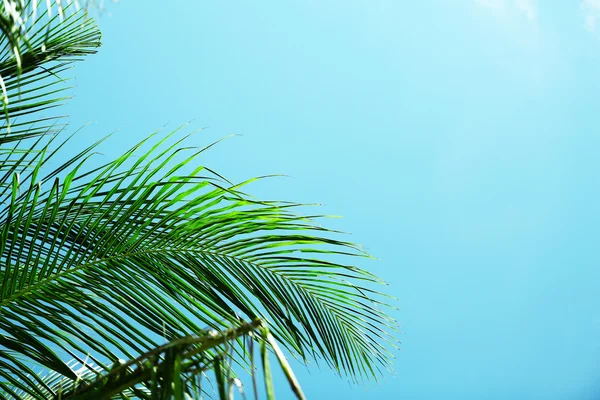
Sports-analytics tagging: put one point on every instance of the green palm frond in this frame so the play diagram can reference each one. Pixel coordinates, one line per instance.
(35, 52)
(33, 82)
(104, 264)
(123, 256)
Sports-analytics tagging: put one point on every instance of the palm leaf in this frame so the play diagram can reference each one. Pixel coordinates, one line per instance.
(108, 264)
(103, 264)
(34, 53)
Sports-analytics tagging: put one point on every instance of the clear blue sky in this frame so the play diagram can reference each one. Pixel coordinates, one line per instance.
(459, 139)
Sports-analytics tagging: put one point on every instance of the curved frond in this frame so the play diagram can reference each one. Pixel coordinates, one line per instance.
(109, 264)
(101, 265)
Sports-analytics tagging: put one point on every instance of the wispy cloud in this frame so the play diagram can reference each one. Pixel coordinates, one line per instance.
(591, 13)
(527, 8)
(496, 5)
(522, 8)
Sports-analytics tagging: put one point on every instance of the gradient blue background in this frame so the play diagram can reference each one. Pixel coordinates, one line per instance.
(459, 140)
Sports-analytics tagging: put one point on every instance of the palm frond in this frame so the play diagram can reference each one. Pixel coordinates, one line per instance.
(153, 249)
(107, 263)
(35, 51)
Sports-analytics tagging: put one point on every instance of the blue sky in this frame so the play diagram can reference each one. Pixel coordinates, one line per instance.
(459, 140)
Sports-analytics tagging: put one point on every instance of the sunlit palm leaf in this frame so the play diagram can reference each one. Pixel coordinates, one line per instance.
(104, 264)
(116, 264)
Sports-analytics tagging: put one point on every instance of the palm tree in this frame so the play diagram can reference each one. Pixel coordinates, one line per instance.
(147, 275)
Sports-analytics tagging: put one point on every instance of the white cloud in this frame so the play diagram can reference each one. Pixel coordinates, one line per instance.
(496, 5)
(527, 8)
(513, 10)
(522, 8)
(591, 12)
